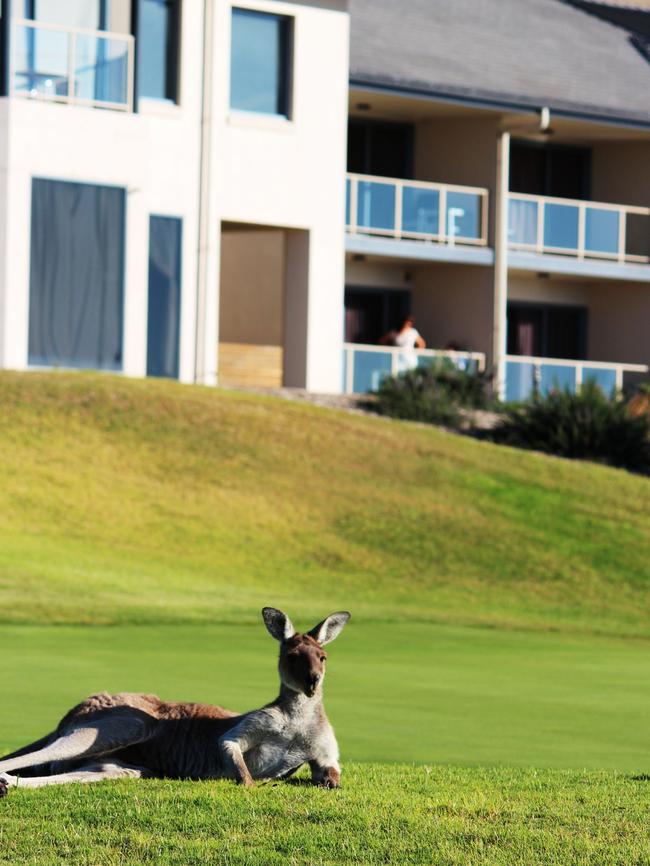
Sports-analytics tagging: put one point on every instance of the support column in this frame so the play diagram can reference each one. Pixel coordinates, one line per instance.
(207, 291)
(499, 328)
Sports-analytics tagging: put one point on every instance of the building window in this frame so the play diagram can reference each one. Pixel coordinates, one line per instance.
(547, 330)
(559, 170)
(157, 40)
(163, 323)
(76, 276)
(381, 148)
(260, 67)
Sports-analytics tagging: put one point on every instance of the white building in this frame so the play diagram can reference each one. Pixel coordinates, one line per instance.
(174, 198)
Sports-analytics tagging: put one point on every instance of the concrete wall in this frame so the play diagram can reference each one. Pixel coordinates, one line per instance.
(252, 295)
(620, 172)
(377, 275)
(153, 155)
(548, 290)
(4, 215)
(459, 151)
(453, 303)
(290, 173)
(619, 315)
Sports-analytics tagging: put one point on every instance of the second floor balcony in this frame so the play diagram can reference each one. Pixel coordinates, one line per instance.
(70, 64)
(579, 229)
(416, 210)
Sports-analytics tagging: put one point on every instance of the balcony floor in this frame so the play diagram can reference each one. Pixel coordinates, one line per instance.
(417, 250)
(598, 268)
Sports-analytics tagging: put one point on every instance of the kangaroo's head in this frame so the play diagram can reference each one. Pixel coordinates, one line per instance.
(302, 657)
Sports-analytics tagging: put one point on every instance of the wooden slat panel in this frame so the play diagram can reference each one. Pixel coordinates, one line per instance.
(250, 366)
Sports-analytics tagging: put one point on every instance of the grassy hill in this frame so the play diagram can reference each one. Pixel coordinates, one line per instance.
(140, 501)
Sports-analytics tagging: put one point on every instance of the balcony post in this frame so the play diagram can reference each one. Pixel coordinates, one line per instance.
(500, 302)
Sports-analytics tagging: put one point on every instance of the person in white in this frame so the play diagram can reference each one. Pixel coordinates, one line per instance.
(408, 338)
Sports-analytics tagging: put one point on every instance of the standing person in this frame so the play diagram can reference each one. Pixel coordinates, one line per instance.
(408, 338)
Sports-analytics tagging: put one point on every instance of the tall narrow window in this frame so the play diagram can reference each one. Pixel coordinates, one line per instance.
(157, 41)
(76, 277)
(260, 66)
(165, 234)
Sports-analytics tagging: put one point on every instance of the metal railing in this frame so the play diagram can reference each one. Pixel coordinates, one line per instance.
(582, 229)
(364, 366)
(74, 65)
(527, 375)
(416, 210)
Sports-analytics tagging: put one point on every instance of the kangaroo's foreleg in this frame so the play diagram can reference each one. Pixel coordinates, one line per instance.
(96, 772)
(92, 737)
(234, 765)
(325, 769)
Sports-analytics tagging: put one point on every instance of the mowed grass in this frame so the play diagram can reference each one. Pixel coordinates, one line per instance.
(397, 814)
(395, 693)
(140, 501)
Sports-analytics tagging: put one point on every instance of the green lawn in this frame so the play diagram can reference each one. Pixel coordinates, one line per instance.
(500, 606)
(395, 693)
(397, 814)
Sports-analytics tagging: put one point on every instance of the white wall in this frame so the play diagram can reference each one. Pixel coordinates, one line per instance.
(290, 173)
(153, 155)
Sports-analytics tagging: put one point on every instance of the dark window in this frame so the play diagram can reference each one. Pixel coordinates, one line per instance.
(371, 313)
(381, 149)
(547, 330)
(555, 170)
(157, 39)
(260, 63)
(163, 328)
(76, 277)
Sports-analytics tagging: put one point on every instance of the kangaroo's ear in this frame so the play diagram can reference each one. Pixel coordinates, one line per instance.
(278, 623)
(331, 627)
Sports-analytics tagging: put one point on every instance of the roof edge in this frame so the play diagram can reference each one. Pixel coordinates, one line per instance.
(497, 101)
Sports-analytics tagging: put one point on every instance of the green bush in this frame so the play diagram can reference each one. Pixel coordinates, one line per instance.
(436, 394)
(586, 426)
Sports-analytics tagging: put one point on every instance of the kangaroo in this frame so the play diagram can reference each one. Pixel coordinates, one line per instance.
(138, 735)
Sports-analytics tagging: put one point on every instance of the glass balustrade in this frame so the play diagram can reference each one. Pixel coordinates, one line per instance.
(420, 211)
(364, 367)
(526, 377)
(71, 65)
(579, 228)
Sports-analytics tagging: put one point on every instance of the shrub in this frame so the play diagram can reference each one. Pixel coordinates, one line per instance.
(436, 394)
(587, 426)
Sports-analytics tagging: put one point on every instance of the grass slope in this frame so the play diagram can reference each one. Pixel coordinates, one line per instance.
(398, 815)
(138, 501)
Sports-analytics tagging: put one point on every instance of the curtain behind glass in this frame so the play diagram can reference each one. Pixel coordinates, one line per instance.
(164, 296)
(76, 279)
(157, 48)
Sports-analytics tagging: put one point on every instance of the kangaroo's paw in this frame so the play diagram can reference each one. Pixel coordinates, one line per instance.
(6, 782)
(331, 778)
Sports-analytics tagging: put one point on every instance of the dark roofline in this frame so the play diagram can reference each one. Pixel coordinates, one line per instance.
(502, 102)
